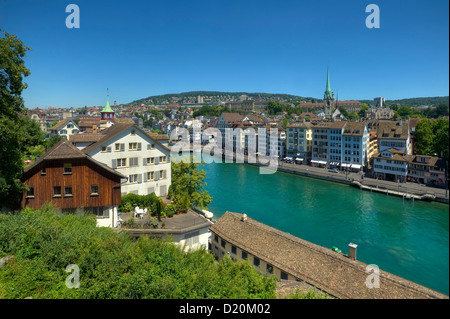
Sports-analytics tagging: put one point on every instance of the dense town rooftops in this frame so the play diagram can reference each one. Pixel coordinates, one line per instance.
(328, 270)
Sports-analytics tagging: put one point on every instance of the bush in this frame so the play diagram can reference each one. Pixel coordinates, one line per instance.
(112, 265)
(130, 201)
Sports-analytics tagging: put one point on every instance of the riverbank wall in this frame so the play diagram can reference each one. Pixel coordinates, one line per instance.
(366, 185)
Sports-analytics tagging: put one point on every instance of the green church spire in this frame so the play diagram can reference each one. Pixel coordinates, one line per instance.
(328, 93)
(107, 108)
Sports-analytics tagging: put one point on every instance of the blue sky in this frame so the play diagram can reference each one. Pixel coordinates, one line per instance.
(143, 48)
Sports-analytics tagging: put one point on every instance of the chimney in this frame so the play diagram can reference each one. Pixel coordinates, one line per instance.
(352, 250)
(244, 217)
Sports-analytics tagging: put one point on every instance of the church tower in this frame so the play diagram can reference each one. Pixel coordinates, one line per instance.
(328, 98)
(107, 112)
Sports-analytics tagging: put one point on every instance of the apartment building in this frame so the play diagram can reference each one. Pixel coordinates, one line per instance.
(299, 141)
(394, 134)
(319, 154)
(335, 144)
(132, 152)
(354, 146)
(392, 165)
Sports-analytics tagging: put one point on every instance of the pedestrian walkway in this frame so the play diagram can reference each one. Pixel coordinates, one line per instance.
(406, 188)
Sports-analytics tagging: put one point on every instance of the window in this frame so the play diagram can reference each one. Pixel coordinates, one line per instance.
(43, 172)
(57, 191)
(68, 191)
(94, 189)
(284, 275)
(233, 249)
(216, 238)
(244, 255)
(150, 146)
(119, 147)
(150, 160)
(269, 268)
(256, 261)
(133, 161)
(161, 174)
(132, 146)
(67, 168)
(100, 212)
(223, 243)
(163, 159)
(150, 176)
(121, 162)
(133, 178)
(30, 193)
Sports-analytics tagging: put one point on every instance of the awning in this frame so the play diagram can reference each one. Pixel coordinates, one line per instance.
(299, 159)
(289, 158)
(345, 165)
(318, 161)
(356, 166)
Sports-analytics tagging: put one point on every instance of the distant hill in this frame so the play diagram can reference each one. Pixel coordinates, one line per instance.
(215, 97)
(418, 101)
(212, 97)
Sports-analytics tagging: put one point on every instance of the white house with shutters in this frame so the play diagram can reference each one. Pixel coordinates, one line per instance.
(134, 154)
(64, 128)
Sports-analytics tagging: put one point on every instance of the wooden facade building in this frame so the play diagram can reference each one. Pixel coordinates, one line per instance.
(72, 180)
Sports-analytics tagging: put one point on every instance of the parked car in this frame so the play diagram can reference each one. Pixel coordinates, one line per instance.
(333, 170)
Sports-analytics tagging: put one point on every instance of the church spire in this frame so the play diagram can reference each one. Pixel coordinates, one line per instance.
(107, 111)
(328, 93)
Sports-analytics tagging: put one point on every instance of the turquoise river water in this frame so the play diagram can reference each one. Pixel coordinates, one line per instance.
(407, 238)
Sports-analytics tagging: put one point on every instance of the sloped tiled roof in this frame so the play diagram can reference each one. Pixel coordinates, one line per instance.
(329, 271)
(65, 150)
(85, 138)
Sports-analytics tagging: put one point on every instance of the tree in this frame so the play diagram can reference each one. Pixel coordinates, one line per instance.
(362, 111)
(404, 111)
(12, 69)
(424, 137)
(17, 132)
(440, 137)
(188, 185)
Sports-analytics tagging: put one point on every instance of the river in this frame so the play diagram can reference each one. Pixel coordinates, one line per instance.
(407, 238)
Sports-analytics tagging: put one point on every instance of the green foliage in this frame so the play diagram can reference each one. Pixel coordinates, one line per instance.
(111, 264)
(20, 136)
(431, 137)
(130, 201)
(424, 137)
(311, 294)
(362, 110)
(188, 185)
